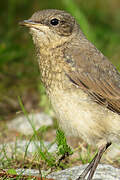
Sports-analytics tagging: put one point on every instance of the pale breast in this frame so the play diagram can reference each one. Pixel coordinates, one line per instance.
(79, 116)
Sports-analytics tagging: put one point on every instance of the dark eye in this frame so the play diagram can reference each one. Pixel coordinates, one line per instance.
(54, 22)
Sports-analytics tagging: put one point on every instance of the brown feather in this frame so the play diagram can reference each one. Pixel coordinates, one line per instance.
(96, 76)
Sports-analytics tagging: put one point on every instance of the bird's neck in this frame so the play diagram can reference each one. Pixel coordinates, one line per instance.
(51, 67)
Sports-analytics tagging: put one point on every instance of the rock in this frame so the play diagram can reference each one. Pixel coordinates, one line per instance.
(103, 172)
(20, 147)
(21, 124)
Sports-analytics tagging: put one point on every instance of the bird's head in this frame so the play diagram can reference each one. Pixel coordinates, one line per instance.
(51, 28)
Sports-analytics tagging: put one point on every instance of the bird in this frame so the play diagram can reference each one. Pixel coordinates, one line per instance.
(81, 83)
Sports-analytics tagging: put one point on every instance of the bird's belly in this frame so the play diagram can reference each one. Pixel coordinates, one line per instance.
(79, 115)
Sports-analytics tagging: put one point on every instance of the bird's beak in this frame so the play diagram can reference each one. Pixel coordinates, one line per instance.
(29, 23)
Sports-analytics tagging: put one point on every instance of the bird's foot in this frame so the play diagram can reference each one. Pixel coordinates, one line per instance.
(93, 164)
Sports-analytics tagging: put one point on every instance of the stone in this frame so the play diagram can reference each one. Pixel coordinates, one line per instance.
(103, 172)
(20, 147)
(23, 125)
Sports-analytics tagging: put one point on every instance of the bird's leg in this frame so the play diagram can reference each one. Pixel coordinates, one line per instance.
(97, 160)
(93, 164)
(85, 172)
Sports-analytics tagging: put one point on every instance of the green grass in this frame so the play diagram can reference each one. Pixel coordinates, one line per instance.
(19, 71)
(51, 161)
(42, 158)
(86, 157)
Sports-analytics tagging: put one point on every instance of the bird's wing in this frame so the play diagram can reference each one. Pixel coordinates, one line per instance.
(92, 72)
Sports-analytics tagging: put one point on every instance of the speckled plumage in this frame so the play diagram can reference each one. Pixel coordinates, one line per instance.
(83, 86)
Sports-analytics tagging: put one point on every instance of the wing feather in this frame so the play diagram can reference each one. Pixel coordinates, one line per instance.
(97, 76)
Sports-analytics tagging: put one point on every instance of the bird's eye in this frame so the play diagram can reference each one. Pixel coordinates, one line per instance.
(54, 22)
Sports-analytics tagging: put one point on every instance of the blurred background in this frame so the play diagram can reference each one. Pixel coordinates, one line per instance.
(19, 73)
